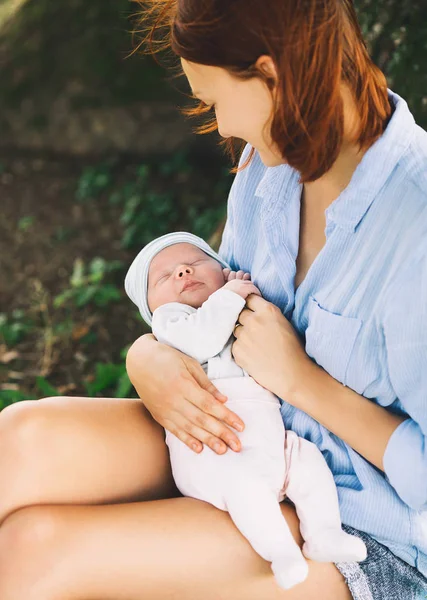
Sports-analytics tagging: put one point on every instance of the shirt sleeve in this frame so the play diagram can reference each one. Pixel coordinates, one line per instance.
(405, 330)
(201, 333)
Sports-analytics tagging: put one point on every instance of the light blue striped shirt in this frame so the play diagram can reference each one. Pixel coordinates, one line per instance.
(361, 311)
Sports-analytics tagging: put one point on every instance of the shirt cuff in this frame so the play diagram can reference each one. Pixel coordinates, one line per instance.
(405, 464)
(231, 298)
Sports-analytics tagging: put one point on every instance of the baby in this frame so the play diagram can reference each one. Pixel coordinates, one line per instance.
(179, 285)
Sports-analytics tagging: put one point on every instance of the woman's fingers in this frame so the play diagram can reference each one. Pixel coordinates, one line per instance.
(196, 370)
(196, 438)
(196, 426)
(209, 419)
(182, 434)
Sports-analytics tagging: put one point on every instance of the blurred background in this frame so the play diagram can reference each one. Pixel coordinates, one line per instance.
(95, 161)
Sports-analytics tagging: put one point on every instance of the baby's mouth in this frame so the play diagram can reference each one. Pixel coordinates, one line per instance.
(188, 285)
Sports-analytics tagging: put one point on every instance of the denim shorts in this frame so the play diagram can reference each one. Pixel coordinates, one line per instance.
(382, 575)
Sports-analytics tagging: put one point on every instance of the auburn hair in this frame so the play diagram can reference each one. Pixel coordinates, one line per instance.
(315, 45)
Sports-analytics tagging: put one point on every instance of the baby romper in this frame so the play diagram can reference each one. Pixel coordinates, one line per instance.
(250, 484)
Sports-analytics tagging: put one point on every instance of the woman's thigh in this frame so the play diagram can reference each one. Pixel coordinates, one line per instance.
(81, 450)
(161, 550)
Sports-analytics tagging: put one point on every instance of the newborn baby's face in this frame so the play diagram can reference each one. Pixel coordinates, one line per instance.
(183, 273)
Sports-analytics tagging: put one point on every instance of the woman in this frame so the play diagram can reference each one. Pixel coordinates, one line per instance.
(330, 219)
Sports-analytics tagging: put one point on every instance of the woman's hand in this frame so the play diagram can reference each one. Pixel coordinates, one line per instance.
(178, 394)
(268, 348)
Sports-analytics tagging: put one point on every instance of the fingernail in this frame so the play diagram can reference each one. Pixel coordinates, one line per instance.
(217, 447)
(234, 446)
(237, 426)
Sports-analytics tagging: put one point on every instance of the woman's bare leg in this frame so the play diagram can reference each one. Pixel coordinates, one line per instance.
(81, 451)
(174, 549)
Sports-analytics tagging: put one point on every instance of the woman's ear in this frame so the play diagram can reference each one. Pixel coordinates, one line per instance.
(266, 65)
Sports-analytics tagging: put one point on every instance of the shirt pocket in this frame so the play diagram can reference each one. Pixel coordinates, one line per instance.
(330, 339)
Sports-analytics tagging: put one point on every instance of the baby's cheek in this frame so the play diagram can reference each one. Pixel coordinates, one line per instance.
(151, 300)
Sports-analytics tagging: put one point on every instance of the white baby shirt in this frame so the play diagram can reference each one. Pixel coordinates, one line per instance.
(205, 334)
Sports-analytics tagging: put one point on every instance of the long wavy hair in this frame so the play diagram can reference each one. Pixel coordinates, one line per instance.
(315, 45)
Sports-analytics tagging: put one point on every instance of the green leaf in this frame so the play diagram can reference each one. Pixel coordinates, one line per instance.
(85, 295)
(107, 374)
(124, 386)
(45, 387)
(25, 223)
(8, 397)
(77, 278)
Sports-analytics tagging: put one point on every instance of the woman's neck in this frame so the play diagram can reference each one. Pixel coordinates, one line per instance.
(328, 187)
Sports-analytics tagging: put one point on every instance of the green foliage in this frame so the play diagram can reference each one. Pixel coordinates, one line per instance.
(150, 210)
(91, 45)
(13, 329)
(109, 376)
(11, 396)
(204, 224)
(45, 388)
(396, 33)
(146, 214)
(93, 181)
(88, 285)
(25, 223)
(63, 233)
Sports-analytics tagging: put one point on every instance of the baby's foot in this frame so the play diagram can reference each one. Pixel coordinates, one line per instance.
(333, 545)
(289, 571)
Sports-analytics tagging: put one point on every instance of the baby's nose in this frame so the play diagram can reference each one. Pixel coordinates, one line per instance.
(183, 269)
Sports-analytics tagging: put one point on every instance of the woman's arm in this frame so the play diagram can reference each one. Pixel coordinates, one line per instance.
(269, 349)
(178, 394)
(364, 425)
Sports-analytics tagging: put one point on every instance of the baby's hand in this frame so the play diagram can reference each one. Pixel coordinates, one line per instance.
(242, 287)
(230, 275)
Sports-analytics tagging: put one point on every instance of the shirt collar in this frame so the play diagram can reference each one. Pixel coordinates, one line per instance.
(382, 157)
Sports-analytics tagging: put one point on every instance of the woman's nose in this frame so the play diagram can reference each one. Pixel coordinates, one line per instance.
(183, 270)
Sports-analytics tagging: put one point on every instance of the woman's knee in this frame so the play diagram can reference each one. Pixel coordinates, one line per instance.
(23, 428)
(20, 424)
(28, 538)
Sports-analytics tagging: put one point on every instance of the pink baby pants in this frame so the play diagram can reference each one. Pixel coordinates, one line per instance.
(251, 483)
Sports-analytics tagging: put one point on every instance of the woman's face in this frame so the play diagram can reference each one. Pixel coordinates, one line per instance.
(243, 108)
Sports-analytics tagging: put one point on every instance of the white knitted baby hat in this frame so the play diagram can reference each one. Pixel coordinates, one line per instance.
(136, 280)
